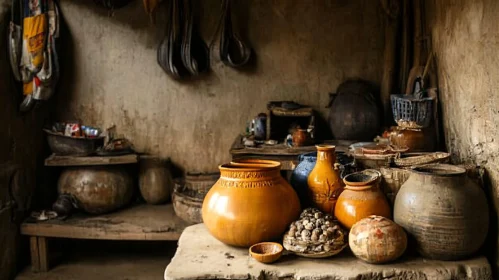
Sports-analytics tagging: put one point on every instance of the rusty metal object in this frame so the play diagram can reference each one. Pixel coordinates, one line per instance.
(62, 145)
(155, 180)
(97, 189)
(444, 211)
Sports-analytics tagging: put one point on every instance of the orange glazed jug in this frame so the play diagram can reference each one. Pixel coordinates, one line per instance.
(324, 182)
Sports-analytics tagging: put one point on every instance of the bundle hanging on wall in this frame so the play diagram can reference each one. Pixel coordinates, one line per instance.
(33, 35)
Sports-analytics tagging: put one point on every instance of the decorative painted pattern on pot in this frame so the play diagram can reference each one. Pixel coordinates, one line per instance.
(324, 183)
(444, 211)
(250, 203)
(376, 239)
(306, 163)
(361, 198)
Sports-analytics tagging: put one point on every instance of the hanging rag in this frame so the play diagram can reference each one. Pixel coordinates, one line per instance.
(15, 38)
(32, 48)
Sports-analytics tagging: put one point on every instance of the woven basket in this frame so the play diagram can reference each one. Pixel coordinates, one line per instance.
(437, 157)
(411, 112)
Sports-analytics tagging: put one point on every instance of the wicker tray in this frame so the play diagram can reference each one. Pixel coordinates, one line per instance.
(420, 159)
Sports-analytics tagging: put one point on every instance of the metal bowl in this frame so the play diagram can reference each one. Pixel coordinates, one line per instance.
(62, 145)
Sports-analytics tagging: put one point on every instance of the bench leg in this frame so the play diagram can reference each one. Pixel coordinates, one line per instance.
(39, 254)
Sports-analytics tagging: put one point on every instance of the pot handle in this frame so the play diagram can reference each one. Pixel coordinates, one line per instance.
(332, 97)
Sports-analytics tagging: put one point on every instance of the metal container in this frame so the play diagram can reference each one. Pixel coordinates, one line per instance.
(62, 145)
(97, 189)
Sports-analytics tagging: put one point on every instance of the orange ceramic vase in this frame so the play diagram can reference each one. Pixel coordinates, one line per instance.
(250, 203)
(324, 183)
(361, 198)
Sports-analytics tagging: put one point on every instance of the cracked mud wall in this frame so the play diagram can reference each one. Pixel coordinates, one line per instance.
(303, 51)
(465, 38)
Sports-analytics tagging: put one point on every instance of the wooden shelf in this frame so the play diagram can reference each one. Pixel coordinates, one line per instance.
(139, 222)
(54, 160)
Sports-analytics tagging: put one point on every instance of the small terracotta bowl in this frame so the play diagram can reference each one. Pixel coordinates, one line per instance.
(266, 252)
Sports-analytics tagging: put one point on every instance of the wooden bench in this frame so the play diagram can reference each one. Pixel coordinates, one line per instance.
(139, 222)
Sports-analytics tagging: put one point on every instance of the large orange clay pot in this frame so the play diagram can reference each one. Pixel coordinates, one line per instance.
(361, 198)
(250, 203)
(324, 183)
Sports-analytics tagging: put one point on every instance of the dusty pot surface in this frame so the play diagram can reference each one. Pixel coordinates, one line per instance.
(324, 182)
(97, 189)
(250, 203)
(444, 211)
(361, 198)
(155, 180)
(376, 239)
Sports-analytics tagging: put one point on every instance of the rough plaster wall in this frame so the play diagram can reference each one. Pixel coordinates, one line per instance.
(465, 38)
(304, 50)
(21, 143)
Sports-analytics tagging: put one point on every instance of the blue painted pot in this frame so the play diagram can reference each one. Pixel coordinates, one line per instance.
(306, 163)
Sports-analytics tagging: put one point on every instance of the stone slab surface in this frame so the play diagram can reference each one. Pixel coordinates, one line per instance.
(200, 256)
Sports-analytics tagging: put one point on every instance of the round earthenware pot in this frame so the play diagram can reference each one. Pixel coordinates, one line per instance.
(416, 140)
(97, 189)
(376, 239)
(361, 198)
(155, 180)
(445, 212)
(324, 182)
(300, 137)
(250, 203)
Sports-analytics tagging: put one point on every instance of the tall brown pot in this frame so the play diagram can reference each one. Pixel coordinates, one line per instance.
(155, 180)
(444, 211)
(250, 203)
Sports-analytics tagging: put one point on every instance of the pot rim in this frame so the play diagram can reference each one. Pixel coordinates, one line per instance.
(252, 165)
(440, 170)
(375, 176)
(325, 147)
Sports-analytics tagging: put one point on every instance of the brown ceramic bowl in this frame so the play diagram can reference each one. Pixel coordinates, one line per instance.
(266, 252)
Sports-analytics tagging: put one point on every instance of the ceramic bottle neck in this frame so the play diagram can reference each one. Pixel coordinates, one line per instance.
(326, 157)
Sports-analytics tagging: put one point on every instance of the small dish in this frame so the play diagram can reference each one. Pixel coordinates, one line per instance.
(266, 252)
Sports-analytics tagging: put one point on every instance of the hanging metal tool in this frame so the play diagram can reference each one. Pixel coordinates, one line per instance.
(170, 49)
(182, 52)
(233, 51)
(195, 53)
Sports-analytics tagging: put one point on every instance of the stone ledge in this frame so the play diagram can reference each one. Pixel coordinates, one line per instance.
(200, 256)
